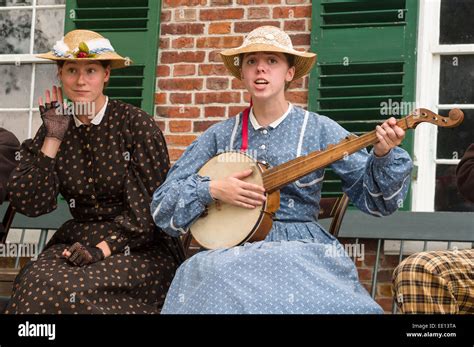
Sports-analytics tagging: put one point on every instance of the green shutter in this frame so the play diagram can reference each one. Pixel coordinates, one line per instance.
(132, 27)
(366, 56)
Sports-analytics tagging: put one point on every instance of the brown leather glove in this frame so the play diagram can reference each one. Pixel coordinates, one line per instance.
(55, 122)
(83, 255)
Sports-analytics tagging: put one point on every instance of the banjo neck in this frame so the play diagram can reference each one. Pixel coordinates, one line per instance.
(279, 176)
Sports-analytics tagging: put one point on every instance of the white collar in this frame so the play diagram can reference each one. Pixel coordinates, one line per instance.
(98, 117)
(274, 124)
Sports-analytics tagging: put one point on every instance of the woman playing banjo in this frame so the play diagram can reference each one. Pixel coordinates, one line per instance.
(293, 270)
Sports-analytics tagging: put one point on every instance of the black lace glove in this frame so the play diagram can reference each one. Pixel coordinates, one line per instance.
(55, 122)
(83, 255)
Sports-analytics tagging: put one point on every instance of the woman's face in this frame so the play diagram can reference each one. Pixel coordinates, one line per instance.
(265, 73)
(83, 81)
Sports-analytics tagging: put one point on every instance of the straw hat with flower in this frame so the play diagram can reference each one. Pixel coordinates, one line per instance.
(268, 39)
(85, 45)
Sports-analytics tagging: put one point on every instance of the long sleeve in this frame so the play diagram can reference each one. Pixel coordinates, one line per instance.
(9, 145)
(34, 185)
(185, 194)
(376, 185)
(465, 174)
(147, 171)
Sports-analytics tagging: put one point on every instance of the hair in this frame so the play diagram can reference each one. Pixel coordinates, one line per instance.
(290, 59)
(105, 64)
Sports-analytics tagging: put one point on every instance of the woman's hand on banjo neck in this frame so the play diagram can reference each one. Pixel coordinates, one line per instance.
(233, 190)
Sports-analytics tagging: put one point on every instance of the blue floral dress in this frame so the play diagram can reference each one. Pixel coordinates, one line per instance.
(299, 267)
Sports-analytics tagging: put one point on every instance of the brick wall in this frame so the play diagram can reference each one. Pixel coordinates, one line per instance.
(194, 90)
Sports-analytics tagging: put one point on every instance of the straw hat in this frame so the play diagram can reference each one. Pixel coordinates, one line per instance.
(268, 39)
(85, 45)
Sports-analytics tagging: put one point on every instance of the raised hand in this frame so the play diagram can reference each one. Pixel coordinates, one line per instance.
(52, 114)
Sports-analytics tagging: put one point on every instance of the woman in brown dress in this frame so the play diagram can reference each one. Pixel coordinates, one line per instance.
(109, 258)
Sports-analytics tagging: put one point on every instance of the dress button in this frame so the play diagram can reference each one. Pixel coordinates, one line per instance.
(262, 147)
(265, 132)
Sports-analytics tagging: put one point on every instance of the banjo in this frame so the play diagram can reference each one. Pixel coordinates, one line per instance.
(223, 225)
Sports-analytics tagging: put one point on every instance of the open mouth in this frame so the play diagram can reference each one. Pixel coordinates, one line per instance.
(261, 81)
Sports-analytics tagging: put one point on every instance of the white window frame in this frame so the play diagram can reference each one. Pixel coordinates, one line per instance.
(427, 96)
(19, 59)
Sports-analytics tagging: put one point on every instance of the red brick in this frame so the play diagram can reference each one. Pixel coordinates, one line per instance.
(161, 125)
(181, 98)
(183, 42)
(235, 110)
(215, 83)
(297, 84)
(295, 25)
(258, 2)
(180, 3)
(160, 98)
(258, 12)
(390, 261)
(297, 97)
(164, 43)
(220, 98)
(184, 70)
(384, 275)
(386, 304)
(182, 57)
(214, 111)
(246, 96)
(237, 84)
(301, 39)
(219, 28)
(212, 69)
(200, 126)
(292, 12)
(219, 42)
(180, 126)
(182, 29)
(180, 140)
(221, 2)
(297, 2)
(185, 15)
(245, 27)
(165, 16)
(180, 84)
(178, 112)
(175, 153)
(214, 56)
(364, 274)
(162, 71)
(234, 13)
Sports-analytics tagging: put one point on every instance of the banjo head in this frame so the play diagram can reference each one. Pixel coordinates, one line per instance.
(225, 225)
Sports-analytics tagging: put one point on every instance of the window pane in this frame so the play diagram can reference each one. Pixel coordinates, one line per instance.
(15, 2)
(15, 29)
(453, 142)
(46, 76)
(455, 25)
(48, 29)
(447, 196)
(16, 122)
(456, 81)
(50, 2)
(35, 123)
(15, 87)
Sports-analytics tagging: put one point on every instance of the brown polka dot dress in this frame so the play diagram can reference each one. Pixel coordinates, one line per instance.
(107, 173)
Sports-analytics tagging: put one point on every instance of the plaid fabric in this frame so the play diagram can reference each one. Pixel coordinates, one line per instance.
(435, 282)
